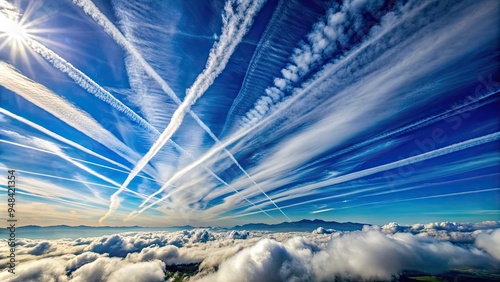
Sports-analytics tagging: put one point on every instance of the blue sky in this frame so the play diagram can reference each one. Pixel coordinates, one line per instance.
(167, 113)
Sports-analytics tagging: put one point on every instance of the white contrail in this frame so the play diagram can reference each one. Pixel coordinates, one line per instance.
(221, 146)
(92, 87)
(85, 82)
(323, 76)
(75, 159)
(66, 179)
(60, 138)
(90, 9)
(139, 195)
(76, 162)
(53, 153)
(385, 202)
(62, 109)
(418, 124)
(50, 147)
(135, 212)
(236, 25)
(56, 199)
(372, 188)
(404, 162)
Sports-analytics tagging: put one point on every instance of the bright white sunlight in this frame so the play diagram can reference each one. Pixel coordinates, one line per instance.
(12, 29)
(249, 140)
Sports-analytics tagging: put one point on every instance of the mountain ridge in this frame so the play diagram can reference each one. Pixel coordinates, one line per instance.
(301, 225)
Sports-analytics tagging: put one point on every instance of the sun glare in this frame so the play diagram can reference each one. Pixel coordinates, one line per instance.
(13, 30)
(15, 36)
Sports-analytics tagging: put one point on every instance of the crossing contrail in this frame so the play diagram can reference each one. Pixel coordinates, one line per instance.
(469, 105)
(91, 10)
(65, 111)
(384, 202)
(50, 152)
(404, 162)
(222, 146)
(236, 26)
(92, 87)
(322, 76)
(135, 212)
(60, 138)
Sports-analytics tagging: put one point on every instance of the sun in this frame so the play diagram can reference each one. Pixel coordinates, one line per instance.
(14, 31)
(14, 35)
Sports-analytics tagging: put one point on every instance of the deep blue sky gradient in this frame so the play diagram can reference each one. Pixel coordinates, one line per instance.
(402, 79)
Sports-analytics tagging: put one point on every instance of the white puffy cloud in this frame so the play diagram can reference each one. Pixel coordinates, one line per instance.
(444, 231)
(362, 255)
(98, 270)
(375, 253)
(490, 243)
(268, 260)
(321, 230)
(41, 248)
(117, 269)
(145, 272)
(238, 234)
(43, 270)
(81, 259)
(372, 255)
(151, 253)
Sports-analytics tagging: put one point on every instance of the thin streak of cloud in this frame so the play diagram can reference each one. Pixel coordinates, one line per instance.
(47, 146)
(55, 153)
(92, 87)
(328, 35)
(404, 162)
(229, 41)
(62, 109)
(338, 115)
(236, 25)
(386, 202)
(322, 211)
(86, 83)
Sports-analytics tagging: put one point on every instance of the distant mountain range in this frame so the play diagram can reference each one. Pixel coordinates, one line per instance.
(304, 225)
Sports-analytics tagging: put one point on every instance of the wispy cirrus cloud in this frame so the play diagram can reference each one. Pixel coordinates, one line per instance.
(404, 162)
(329, 37)
(63, 110)
(360, 88)
(352, 103)
(236, 24)
(60, 138)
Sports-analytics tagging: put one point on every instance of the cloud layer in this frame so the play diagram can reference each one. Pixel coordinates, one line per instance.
(262, 256)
